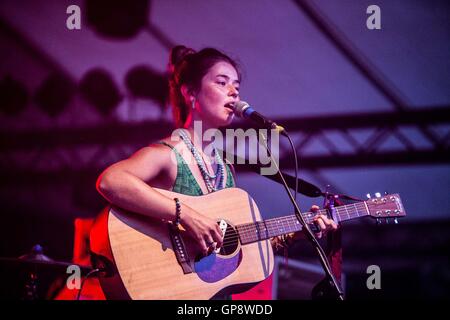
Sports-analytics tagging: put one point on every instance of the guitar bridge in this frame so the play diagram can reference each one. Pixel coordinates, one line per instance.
(180, 249)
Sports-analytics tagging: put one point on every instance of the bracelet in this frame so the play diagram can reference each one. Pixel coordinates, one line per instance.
(176, 222)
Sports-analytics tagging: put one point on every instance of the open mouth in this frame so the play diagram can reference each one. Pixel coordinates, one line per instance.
(230, 106)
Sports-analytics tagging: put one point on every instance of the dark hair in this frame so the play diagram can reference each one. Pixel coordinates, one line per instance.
(188, 67)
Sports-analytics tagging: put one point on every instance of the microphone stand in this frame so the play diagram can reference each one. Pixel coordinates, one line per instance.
(334, 286)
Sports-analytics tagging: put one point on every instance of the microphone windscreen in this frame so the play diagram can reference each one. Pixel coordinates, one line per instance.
(239, 108)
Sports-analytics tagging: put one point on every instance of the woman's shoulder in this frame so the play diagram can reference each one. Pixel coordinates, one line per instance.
(158, 151)
(167, 144)
(167, 141)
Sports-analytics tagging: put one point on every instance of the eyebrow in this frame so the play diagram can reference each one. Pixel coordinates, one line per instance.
(227, 77)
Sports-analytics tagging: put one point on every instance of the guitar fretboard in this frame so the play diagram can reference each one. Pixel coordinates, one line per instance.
(262, 230)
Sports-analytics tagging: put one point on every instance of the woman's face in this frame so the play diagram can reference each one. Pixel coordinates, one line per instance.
(219, 87)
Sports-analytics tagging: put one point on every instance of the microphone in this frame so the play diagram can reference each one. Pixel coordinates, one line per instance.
(243, 110)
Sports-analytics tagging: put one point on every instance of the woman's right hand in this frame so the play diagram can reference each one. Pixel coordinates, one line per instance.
(203, 230)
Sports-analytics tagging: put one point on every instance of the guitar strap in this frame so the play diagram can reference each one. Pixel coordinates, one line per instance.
(179, 248)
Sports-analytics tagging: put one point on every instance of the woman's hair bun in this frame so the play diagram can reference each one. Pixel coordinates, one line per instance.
(178, 54)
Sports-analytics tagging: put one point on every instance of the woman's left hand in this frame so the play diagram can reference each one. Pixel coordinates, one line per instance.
(324, 223)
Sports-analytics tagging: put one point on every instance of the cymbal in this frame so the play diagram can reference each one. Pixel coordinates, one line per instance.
(36, 261)
(41, 264)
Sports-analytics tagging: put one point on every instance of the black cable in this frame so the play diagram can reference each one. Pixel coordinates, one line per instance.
(323, 257)
(296, 163)
(90, 273)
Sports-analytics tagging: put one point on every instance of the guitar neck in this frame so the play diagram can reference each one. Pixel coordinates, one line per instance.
(266, 229)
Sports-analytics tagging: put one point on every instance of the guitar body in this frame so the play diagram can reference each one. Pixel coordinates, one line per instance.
(144, 260)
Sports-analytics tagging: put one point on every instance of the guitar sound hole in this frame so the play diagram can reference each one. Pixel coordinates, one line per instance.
(230, 241)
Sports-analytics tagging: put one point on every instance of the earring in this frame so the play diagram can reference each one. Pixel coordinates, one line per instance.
(193, 104)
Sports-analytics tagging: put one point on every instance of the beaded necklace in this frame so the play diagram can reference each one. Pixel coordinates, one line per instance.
(207, 177)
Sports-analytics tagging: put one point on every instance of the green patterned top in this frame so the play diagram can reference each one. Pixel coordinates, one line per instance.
(185, 182)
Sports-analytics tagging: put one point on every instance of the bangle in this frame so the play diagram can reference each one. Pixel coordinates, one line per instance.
(176, 222)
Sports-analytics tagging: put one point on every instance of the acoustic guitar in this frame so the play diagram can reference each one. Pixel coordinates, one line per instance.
(143, 261)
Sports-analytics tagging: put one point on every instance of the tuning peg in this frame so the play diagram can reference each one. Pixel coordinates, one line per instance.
(368, 196)
(395, 221)
(377, 194)
(386, 193)
(378, 221)
(387, 220)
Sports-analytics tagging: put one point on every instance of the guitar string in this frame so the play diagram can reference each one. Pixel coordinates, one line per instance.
(249, 230)
(307, 215)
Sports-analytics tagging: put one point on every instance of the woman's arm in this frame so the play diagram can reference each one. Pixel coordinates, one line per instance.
(124, 183)
(127, 184)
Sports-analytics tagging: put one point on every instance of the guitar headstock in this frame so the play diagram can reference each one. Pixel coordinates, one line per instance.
(388, 206)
